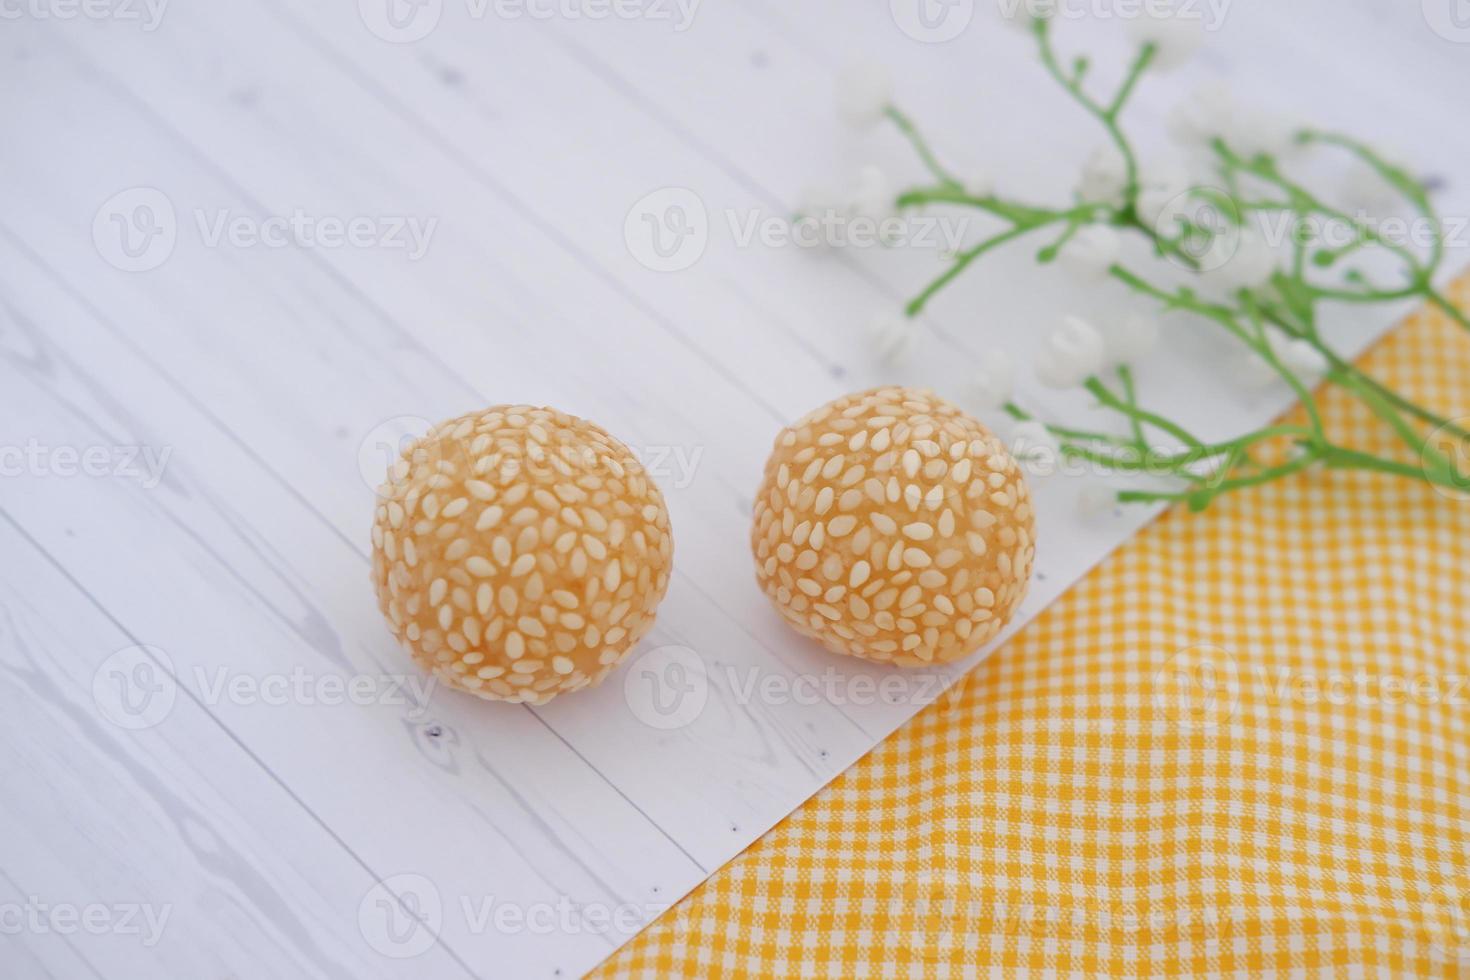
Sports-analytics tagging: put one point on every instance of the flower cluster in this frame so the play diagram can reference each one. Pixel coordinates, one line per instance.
(1203, 215)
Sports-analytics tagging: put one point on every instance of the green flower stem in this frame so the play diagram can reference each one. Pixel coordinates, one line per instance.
(1342, 458)
(1305, 202)
(1141, 61)
(921, 147)
(1013, 212)
(1340, 367)
(1130, 395)
(1223, 486)
(1435, 462)
(1442, 303)
(1107, 115)
(1104, 395)
(1289, 302)
(1262, 346)
(1177, 464)
(1024, 222)
(961, 262)
(1411, 189)
(1020, 414)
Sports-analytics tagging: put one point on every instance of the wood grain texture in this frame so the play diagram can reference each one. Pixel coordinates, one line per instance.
(293, 830)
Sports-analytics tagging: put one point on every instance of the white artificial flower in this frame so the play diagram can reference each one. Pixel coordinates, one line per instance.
(1131, 338)
(1174, 38)
(1095, 499)
(1236, 261)
(1161, 193)
(873, 194)
(994, 379)
(1092, 250)
(1212, 111)
(1303, 360)
(817, 208)
(1034, 448)
(892, 337)
(979, 183)
(1071, 353)
(1206, 468)
(1209, 111)
(864, 91)
(1104, 177)
(1296, 355)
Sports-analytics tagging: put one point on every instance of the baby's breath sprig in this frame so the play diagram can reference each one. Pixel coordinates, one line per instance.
(1271, 307)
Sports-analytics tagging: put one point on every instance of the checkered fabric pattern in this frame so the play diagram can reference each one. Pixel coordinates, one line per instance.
(1175, 771)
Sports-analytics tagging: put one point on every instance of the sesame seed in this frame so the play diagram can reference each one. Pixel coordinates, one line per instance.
(919, 531)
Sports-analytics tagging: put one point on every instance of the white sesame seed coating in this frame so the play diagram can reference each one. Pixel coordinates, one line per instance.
(930, 554)
(520, 552)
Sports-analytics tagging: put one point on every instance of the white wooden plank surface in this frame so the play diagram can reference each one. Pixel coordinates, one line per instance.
(292, 837)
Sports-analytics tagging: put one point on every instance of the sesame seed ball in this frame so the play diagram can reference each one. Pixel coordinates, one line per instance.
(892, 526)
(519, 552)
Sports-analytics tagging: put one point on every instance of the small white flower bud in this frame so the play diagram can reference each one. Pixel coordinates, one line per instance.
(1092, 251)
(864, 91)
(994, 379)
(1072, 352)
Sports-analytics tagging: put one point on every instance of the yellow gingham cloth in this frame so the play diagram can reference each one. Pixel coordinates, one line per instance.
(1142, 783)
